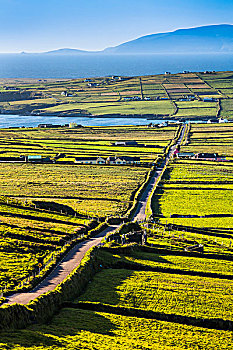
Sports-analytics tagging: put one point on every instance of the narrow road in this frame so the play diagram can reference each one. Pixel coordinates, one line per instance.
(61, 271)
(140, 214)
(75, 255)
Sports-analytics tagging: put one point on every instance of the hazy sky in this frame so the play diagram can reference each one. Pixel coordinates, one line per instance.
(40, 25)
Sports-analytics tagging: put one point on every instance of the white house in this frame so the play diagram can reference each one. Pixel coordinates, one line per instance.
(128, 160)
(86, 160)
(222, 120)
(120, 160)
(100, 160)
(111, 160)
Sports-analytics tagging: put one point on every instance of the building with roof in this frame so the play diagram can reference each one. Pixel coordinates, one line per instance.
(209, 156)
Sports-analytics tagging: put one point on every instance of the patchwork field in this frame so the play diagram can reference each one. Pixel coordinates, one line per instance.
(160, 296)
(194, 198)
(86, 141)
(135, 303)
(136, 96)
(44, 206)
(81, 329)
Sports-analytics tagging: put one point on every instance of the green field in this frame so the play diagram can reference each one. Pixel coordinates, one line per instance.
(155, 297)
(86, 141)
(78, 329)
(163, 292)
(113, 96)
(43, 206)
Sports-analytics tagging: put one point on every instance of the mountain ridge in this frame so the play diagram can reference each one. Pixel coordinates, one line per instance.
(216, 38)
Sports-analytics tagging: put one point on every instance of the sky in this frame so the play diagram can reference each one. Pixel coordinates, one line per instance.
(43, 25)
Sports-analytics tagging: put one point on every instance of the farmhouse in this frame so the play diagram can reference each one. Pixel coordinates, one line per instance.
(125, 143)
(86, 160)
(209, 99)
(111, 160)
(13, 159)
(64, 93)
(100, 160)
(162, 124)
(120, 161)
(209, 156)
(45, 125)
(223, 120)
(123, 160)
(185, 155)
(37, 159)
(131, 160)
(212, 121)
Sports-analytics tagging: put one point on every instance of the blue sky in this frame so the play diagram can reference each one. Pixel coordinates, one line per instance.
(40, 25)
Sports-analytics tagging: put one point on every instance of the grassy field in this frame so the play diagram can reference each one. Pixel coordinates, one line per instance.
(196, 193)
(42, 206)
(193, 203)
(79, 329)
(162, 292)
(72, 185)
(173, 294)
(86, 141)
(116, 96)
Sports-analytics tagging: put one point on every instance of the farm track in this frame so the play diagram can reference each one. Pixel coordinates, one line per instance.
(75, 255)
(140, 213)
(61, 271)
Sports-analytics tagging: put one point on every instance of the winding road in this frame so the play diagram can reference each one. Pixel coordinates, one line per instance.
(75, 255)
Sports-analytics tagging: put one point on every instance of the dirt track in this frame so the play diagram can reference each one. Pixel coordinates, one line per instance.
(73, 258)
(61, 271)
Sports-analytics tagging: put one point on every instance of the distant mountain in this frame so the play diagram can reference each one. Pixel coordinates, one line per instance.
(206, 39)
(66, 52)
(213, 38)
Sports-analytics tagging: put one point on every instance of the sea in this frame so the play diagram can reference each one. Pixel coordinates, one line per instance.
(44, 66)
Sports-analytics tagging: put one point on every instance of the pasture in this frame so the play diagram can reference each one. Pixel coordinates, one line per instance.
(161, 96)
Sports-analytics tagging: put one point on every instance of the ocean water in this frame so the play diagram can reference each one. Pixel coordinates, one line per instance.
(93, 65)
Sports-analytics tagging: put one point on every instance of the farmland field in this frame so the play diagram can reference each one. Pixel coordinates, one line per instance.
(135, 96)
(88, 141)
(173, 293)
(43, 206)
(194, 197)
(139, 291)
(80, 329)
(163, 292)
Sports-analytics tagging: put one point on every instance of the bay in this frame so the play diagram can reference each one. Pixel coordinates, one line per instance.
(9, 121)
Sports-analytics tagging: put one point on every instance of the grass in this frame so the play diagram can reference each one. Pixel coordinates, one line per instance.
(106, 98)
(163, 292)
(133, 108)
(186, 263)
(89, 141)
(45, 205)
(79, 329)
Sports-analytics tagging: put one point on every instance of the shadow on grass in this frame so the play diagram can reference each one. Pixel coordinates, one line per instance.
(150, 257)
(68, 323)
